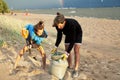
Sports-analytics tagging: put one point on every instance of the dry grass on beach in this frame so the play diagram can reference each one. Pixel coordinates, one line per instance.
(100, 50)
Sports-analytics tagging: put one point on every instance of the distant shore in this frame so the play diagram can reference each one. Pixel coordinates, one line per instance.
(106, 12)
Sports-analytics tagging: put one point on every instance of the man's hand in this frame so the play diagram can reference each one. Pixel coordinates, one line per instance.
(65, 55)
(54, 50)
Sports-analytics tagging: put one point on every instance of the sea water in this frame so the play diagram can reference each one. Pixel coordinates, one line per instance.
(109, 13)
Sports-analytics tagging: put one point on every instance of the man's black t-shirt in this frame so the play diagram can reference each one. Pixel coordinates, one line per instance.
(72, 31)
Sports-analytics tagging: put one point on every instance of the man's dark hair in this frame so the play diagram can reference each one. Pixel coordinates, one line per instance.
(59, 19)
(57, 13)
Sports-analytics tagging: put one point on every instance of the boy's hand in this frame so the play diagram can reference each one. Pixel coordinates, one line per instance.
(29, 46)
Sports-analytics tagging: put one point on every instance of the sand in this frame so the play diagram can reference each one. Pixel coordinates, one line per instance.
(99, 52)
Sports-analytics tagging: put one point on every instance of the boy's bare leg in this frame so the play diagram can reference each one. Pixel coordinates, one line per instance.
(42, 52)
(20, 55)
(44, 61)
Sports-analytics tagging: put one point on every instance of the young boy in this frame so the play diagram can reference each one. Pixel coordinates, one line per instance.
(34, 35)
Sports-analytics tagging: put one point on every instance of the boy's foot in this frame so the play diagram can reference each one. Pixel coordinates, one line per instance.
(44, 66)
(75, 74)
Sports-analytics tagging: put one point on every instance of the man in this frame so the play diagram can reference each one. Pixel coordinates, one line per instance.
(34, 35)
(73, 38)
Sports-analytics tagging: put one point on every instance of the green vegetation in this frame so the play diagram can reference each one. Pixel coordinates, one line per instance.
(1, 43)
(10, 30)
(3, 7)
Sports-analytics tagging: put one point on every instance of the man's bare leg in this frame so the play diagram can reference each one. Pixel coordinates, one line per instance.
(77, 56)
(69, 57)
(77, 60)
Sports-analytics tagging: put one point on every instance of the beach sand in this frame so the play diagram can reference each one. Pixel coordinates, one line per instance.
(100, 51)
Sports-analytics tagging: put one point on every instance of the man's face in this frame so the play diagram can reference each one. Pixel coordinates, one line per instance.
(61, 25)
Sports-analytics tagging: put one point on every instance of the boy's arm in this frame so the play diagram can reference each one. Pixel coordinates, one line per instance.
(36, 38)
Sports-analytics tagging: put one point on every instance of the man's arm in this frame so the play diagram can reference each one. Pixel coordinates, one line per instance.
(59, 38)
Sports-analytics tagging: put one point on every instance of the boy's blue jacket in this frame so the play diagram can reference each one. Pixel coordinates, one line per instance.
(33, 36)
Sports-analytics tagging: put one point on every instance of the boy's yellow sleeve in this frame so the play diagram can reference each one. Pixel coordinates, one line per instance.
(25, 33)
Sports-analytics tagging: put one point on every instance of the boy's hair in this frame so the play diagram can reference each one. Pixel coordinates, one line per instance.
(58, 19)
(39, 25)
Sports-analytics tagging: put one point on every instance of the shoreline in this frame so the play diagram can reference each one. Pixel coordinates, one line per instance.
(107, 13)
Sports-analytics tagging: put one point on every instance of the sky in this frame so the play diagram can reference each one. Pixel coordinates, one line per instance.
(39, 4)
(91, 3)
(33, 4)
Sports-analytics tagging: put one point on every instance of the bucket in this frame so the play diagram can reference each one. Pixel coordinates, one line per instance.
(58, 67)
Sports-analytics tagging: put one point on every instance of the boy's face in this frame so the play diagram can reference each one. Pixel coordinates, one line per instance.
(39, 32)
(40, 27)
(61, 25)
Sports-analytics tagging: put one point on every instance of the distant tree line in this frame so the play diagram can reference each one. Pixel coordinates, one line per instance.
(3, 7)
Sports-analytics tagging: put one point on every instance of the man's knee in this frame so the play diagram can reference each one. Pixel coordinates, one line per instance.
(76, 48)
